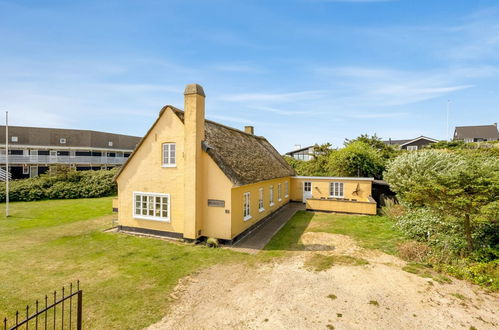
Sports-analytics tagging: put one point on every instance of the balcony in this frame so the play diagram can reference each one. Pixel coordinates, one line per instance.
(79, 160)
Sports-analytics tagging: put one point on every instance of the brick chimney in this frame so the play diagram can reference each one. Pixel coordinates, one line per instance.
(194, 110)
(249, 129)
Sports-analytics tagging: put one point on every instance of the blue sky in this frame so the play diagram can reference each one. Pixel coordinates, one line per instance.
(301, 72)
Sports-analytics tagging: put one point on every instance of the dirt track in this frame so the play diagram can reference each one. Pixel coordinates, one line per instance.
(284, 294)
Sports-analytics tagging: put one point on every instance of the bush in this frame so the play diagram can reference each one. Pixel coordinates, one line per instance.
(413, 251)
(212, 242)
(62, 185)
(482, 273)
(392, 209)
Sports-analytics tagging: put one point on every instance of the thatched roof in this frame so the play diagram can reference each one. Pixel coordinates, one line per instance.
(244, 158)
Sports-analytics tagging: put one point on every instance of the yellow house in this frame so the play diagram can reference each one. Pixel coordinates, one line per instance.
(191, 178)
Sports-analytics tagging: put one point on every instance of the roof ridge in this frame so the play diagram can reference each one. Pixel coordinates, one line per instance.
(214, 122)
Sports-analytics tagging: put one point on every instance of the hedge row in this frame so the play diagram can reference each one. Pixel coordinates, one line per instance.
(69, 185)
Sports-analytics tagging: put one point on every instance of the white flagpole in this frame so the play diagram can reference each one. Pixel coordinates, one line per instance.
(6, 163)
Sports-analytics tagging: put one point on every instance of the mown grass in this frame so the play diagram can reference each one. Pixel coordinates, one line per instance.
(125, 279)
(372, 232)
(319, 262)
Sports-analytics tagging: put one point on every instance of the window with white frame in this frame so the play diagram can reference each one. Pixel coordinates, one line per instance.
(62, 140)
(279, 192)
(336, 189)
(286, 189)
(246, 206)
(271, 195)
(110, 143)
(169, 155)
(260, 200)
(14, 139)
(151, 206)
(412, 148)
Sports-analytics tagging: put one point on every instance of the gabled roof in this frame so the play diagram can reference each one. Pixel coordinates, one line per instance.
(244, 158)
(395, 142)
(418, 138)
(488, 132)
(407, 141)
(298, 150)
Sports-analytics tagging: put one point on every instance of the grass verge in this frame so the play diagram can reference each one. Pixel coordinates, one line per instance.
(125, 279)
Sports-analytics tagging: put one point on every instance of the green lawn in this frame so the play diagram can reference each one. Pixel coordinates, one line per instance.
(373, 232)
(125, 279)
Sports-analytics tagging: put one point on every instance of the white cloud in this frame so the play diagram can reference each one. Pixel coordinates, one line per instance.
(374, 115)
(238, 68)
(363, 86)
(239, 120)
(273, 97)
(283, 112)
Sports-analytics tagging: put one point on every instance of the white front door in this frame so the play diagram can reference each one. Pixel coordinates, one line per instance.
(307, 190)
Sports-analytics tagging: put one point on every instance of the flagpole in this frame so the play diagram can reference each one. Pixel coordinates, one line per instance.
(6, 163)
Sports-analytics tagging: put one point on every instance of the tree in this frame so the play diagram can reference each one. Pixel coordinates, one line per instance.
(355, 159)
(386, 151)
(457, 186)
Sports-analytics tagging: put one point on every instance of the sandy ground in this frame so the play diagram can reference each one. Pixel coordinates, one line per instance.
(283, 294)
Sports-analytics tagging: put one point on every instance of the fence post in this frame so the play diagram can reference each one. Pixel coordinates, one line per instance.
(79, 313)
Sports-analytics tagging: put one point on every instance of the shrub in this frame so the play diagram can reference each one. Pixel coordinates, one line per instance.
(62, 184)
(413, 251)
(392, 209)
(212, 242)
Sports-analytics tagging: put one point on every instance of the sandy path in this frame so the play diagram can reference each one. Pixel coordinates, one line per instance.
(283, 294)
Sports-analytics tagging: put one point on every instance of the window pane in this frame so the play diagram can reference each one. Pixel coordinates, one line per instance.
(150, 210)
(144, 205)
(157, 210)
(164, 204)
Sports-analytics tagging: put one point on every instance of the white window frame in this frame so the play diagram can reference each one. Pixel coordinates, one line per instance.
(25, 169)
(286, 189)
(62, 140)
(246, 206)
(110, 143)
(336, 189)
(412, 148)
(14, 139)
(271, 195)
(279, 192)
(153, 195)
(261, 208)
(168, 148)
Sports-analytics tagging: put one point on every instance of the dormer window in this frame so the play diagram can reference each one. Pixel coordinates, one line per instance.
(14, 139)
(62, 141)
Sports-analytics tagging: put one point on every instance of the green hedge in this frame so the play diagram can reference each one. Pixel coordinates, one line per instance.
(69, 185)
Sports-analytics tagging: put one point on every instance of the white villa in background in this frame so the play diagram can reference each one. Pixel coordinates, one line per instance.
(300, 153)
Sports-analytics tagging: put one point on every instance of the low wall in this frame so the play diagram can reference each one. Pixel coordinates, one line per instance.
(331, 205)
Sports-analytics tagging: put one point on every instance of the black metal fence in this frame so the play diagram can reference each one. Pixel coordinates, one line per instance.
(55, 312)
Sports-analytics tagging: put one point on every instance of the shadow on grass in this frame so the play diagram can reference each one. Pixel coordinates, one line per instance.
(288, 238)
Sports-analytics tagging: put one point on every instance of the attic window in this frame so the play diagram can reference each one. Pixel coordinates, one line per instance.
(14, 139)
(62, 141)
(110, 143)
(169, 155)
